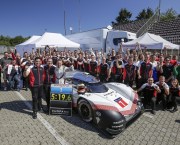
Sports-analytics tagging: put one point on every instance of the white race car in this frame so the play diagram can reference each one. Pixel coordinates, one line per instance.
(110, 105)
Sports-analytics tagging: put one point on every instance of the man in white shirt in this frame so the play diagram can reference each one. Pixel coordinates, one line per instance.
(60, 71)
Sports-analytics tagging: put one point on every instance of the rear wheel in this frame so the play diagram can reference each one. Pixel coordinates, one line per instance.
(85, 110)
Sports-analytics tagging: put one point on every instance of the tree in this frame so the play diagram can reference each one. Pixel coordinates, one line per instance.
(168, 15)
(8, 41)
(124, 16)
(145, 14)
(5, 40)
(141, 15)
(16, 40)
(149, 13)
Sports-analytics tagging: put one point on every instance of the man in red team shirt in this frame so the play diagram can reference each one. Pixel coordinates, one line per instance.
(144, 70)
(149, 89)
(129, 73)
(116, 69)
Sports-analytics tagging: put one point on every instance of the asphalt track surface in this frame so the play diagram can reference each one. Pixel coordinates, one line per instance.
(18, 128)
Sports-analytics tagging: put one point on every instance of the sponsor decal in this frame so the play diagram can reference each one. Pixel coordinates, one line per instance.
(118, 122)
(119, 126)
(121, 102)
(98, 119)
(98, 113)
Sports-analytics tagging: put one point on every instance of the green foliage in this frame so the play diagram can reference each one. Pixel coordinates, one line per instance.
(149, 13)
(168, 15)
(8, 41)
(145, 14)
(124, 16)
(141, 15)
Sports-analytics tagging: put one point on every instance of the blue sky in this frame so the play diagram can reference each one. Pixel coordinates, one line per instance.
(34, 17)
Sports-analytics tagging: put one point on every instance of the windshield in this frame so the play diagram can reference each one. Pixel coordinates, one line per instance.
(96, 88)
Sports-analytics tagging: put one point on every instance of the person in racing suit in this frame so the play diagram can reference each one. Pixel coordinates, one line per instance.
(93, 66)
(116, 69)
(149, 91)
(144, 70)
(80, 63)
(163, 95)
(23, 62)
(129, 73)
(49, 78)
(174, 93)
(75, 59)
(36, 79)
(104, 71)
(86, 63)
(167, 71)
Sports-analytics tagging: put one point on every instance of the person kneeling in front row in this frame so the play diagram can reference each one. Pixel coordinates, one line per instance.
(174, 93)
(149, 90)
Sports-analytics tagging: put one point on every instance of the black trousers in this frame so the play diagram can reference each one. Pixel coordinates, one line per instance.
(26, 82)
(174, 102)
(117, 78)
(93, 74)
(163, 98)
(37, 93)
(129, 83)
(140, 82)
(103, 78)
(47, 94)
(0, 79)
(149, 100)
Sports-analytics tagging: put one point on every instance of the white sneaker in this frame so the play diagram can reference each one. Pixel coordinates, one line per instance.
(5, 88)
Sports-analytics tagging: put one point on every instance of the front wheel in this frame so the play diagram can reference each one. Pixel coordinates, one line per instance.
(85, 110)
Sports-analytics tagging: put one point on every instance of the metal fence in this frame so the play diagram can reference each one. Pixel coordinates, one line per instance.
(5, 48)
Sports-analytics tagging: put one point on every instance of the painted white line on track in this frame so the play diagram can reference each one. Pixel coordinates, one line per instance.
(48, 126)
(147, 115)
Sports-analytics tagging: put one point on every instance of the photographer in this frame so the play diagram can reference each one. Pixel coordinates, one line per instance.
(14, 75)
(4, 62)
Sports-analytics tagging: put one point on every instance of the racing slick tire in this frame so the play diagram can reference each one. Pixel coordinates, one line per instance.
(85, 110)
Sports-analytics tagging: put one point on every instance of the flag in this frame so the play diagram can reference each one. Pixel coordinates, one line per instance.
(121, 102)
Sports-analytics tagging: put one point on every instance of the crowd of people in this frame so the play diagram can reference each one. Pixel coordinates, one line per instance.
(156, 74)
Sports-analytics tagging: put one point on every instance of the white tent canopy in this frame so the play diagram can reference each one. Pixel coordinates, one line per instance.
(151, 41)
(53, 40)
(21, 48)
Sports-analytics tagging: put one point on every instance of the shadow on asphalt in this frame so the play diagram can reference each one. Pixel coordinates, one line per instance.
(76, 121)
(16, 106)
